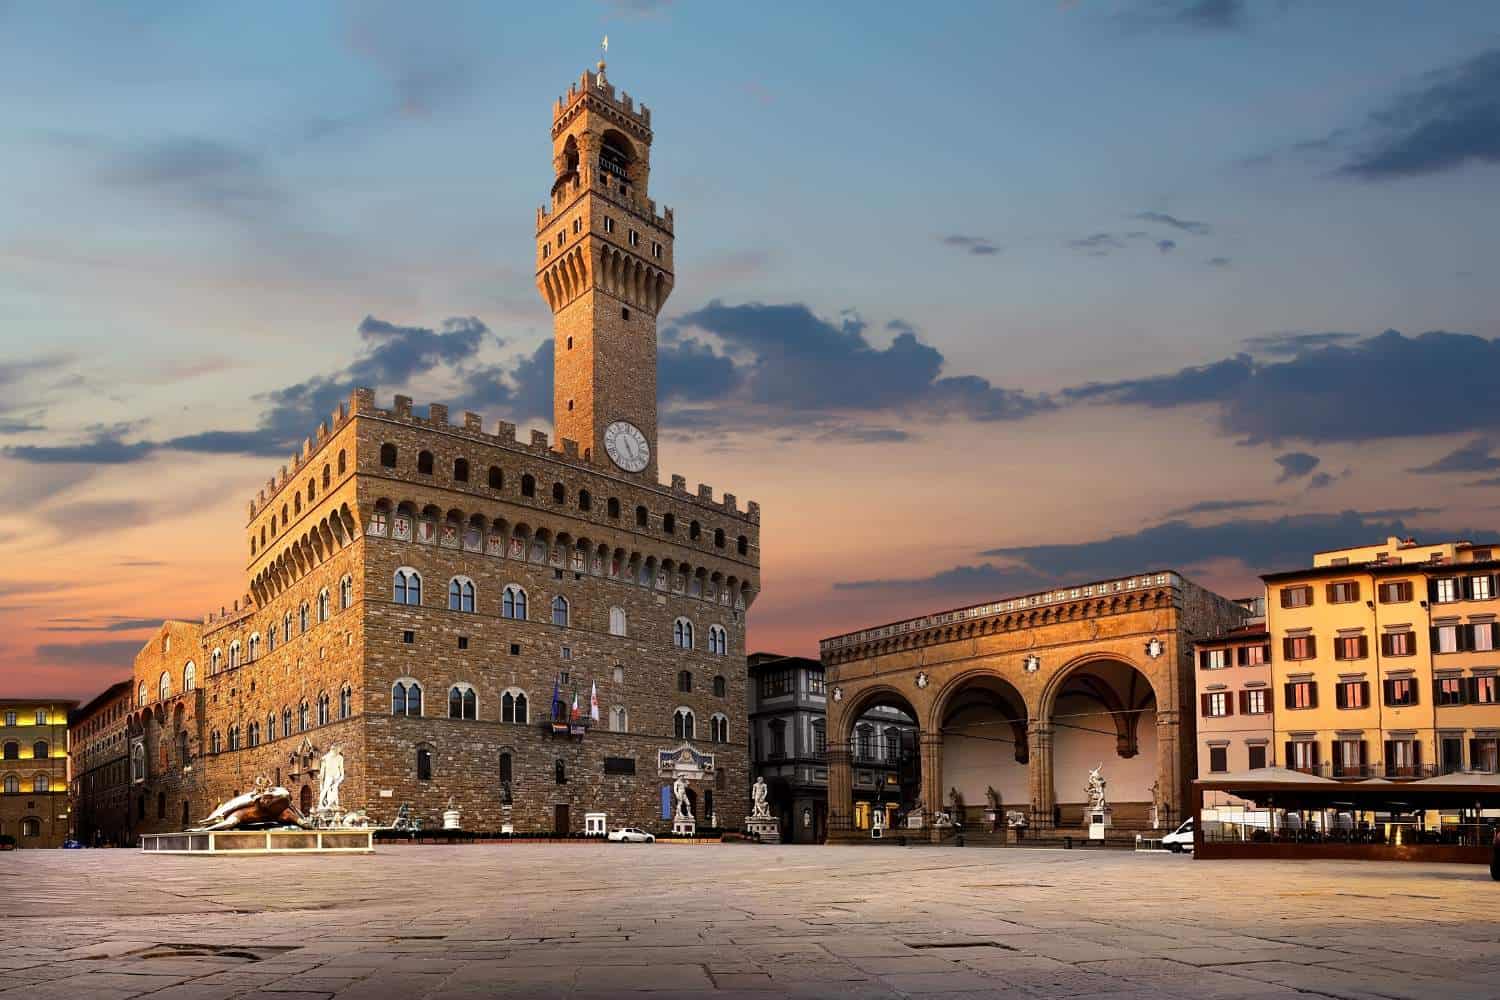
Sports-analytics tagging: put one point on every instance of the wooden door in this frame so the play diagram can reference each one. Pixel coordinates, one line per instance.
(560, 819)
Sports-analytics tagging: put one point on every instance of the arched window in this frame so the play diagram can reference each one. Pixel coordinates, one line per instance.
(424, 463)
(312, 487)
(31, 827)
(528, 485)
(742, 545)
(346, 701)
(271, 638)
(497, 478)
(323, 605)
(424, 764)
(721, 686)
(682, 634)
(39, 750)
(286, 627)
(323, 708)
(560, 611)
(585, 501)
(216, 742)
(718, 640)
(718, 538)
(297, 502)
(507, 768)
(343, 463)
(164, 686)
(685, 681)
(234, 654)
(642, 517)
(12, 785)
(559, 493)
(388, 456)
(140, 694)
(560, 771)
(619, 719)
(462, 702)
(460, 470)
(270, 731)
(302, 716)
(617, 621)
(682, 724)
(718, 728)
(513, 707)
(513, 602)
(461, 594)
(695, 530)
(407, 586)
(254, 648)
(612, 507)
(302, 617)
(346, 592)
(234, 737)
(254, 734)
(406, 698)
(286, 721)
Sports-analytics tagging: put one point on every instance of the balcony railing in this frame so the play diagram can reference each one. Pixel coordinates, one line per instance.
(1358, 771)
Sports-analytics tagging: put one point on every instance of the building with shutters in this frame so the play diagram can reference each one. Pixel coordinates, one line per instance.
(441, 600)
(100, 753)
(34, 770)
(1384, 660)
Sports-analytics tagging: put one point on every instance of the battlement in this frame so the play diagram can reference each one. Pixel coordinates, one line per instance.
(310, 447)
(567, 191)
(598, 87)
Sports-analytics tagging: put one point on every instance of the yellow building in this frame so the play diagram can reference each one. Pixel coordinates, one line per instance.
(34, 771)
(1385, 661)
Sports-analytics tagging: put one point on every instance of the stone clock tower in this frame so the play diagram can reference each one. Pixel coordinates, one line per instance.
(604, 265)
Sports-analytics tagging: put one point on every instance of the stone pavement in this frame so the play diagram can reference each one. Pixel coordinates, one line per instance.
(738, 921)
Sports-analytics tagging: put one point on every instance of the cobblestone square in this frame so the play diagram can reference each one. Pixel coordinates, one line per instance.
(738, 921)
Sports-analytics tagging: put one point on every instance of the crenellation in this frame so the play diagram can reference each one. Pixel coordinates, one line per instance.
(570, 447)
(473, 423)
(437, 414)
(403, 407)
(729, 504)
(505, 432)
(539, 441)
(752, 510)
(679, 485)
(705, 493)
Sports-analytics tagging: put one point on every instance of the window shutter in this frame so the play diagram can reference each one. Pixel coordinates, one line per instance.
(1364, 689)
(1228, 704)
(1330, 592)
(1202, 659)
(1385, 644)
(1341, 696)
(1239, 655)
(1364, 753)
(1312, 691)
(1244, 700)
(1415, 698)
(1287, 688)
(1203, 704)
(1364, 647)
(1317, 755)
(1437, 691)
(1354, 591)
(1312, 646)
(1388, 691)
(1473, 752)
(1416, 753)
(1432, 638)
(1495, 635)
(1470, 689)
(1390, 755)
(1466, 637)
(1286, 648)
(1431, 591)
(1290, 759)
(1286, 599)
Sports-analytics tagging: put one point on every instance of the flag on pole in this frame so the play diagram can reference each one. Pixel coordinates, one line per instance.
(554, 698)
(594, 701)
(576, 712)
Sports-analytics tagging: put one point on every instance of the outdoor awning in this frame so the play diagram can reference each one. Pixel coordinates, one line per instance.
(1279, 787)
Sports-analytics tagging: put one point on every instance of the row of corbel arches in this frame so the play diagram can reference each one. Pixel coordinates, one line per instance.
(620, 274)
(317, 545)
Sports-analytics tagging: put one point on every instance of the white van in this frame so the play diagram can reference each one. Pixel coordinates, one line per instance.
(1180, 839)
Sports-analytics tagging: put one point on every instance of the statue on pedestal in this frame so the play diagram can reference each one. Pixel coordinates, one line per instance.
(1094, 789)
(263, 806)
(684, 810)
(760, 807)
(330, 777)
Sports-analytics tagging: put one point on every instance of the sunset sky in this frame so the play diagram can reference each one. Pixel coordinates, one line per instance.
(972, 298)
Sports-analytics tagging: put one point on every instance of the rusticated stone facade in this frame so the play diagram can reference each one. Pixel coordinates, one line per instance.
(417, 587)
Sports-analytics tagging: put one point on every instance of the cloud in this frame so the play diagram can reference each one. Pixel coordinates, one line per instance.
(1185, 225)
(1296, 464)
(428, 59)
(1261, 545)
(1219, 507)
(1219, 262)
(976, 245)
(1166, 246)
(1476, 456)
(1201, 384)
(1450, 119)
(1321, 481)
(1103, 244)
(90, 655)
(639, 8)
(107, 623)
(105, 446)
(1292, 342)
(1208, 16)
(1491, 483)
(203, 173)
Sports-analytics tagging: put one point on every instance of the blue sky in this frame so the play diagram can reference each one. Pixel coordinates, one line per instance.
(996, 243)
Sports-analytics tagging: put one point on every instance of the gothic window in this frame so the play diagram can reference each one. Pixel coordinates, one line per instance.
(619, 719)
(234, 655)
(39, 750)
(742, 545)
(718, 640)
(346, 592)
(461, 594)
(507, 768)
(323, 708)
(271, 638)
(560, 611)
(254, 647)
(718, 728)
(286, 722)
(585, 501)
(721, 686)
(528, 485)
(617, 621)
(164, 686)
(323, 605)
(254, 734)
(234, 737)
(682, 634)
(346, 702)
(407, 588)
(612, 507)
(460, 470)
(718, 538)
(513, 603)
(685, 681)
(669, 524)
(302, 617)
(286, 627)
(424, 463)
(642, 517)
(424, 764)
(270, 729)
(695, 530)
(513, 707)
(462, 702)
(682, 724)
(388, 456)
(216, 742)
(302, 716)
(343, 463)
(559, 493)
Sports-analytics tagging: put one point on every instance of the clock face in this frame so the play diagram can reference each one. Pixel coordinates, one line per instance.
(626, 446)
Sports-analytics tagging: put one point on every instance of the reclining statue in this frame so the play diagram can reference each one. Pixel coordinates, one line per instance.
(263, 806)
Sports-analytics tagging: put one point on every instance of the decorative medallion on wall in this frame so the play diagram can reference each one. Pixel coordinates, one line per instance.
(838, 694)
(922, 680)
(1155, 647)
(1032, 663)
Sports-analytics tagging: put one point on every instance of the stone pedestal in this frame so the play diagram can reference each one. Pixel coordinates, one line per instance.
(1098, 823)
(452, 819)
(685, 827)
(769, 830)
(915, 820)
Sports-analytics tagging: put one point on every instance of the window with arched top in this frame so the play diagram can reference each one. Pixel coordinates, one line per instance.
(346, 592)
(424, 463)
(585, 500)
(463, 703)
(560, 611)
(528, 485)
(683, 724)
(216, 742)
(388, 456)
(497, 478)
(234, 737)
(406, 698)
(253, 648)
(507, 768)
(682, 634)
(513, 707)
(190, 676)
(343, 462)
(297, 502)
(286, 627)
(286, 721)
(234, 654)
(406, 586)
(424, 763)
(742, 545)
(718, 538)
(513, 602)
(559, 493)
(642, 517)
(718, 640)
(215, 661)
(346, 701)
(270, 729)
(721, 686)
(312, 487)
(323, 703)
(303, 616)
(39, 750)
(140, 695)
(695, 530)
(461, 594)
(271, 638)
(303, 716)
(164, 686)
(253, 734)
(685, 681)
(669, 524)
(617, 623)
(323, 609)
(460, 470)
(718, 728)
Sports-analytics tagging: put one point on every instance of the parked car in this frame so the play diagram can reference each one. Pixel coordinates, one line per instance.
(631, 835)
(72, 845)
(1180, 839)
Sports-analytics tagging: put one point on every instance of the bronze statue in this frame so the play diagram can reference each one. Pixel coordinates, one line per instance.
(262, 806)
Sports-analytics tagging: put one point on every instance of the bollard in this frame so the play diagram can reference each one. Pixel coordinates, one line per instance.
(1068, 843)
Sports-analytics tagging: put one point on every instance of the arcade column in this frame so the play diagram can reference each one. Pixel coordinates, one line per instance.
(1039, 770)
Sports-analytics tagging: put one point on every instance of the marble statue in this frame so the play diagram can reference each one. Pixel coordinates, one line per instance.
(679, 792)
(1095, 789)
(264, 805)
(330, 777)
(760, 804)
